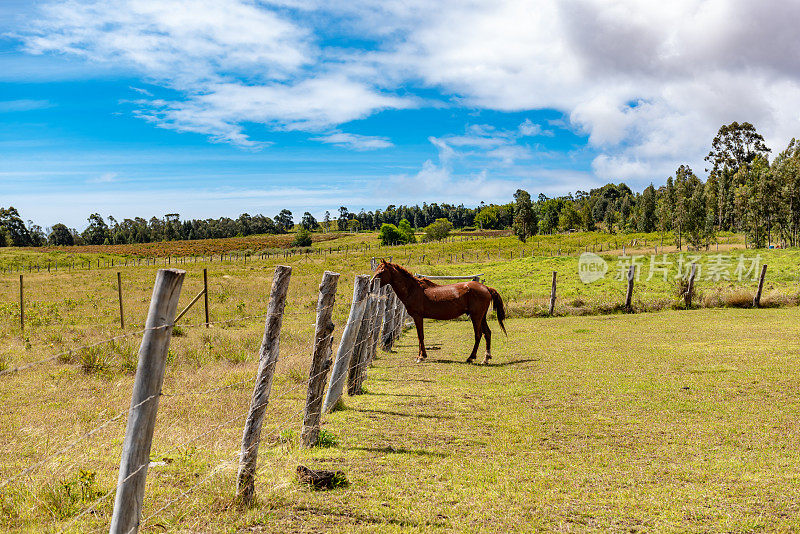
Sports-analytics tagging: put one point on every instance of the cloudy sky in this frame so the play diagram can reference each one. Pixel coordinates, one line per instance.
(218, 107)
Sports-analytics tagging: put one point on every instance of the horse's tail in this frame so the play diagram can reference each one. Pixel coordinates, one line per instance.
(498, 307)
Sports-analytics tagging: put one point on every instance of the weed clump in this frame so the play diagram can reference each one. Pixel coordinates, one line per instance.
(68, 497)
(94, 360)
(327, 439)
(738, 298)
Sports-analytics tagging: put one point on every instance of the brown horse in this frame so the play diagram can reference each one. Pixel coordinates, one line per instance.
(425, 300)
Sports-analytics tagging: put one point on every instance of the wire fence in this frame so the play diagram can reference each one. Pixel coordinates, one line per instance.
(83, 450)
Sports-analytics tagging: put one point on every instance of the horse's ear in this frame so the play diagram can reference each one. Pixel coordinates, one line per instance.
(383, 260)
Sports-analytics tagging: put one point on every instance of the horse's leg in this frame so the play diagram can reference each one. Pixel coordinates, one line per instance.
(421, 337)
(488, 335)
(476, 325)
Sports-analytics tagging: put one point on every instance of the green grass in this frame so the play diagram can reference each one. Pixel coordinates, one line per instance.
(610, 424)
(670, 421)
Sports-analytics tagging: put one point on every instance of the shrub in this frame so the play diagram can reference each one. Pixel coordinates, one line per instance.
(407, 232)
(394, 235)
(302, 238)
(390, 235)
(438, 230)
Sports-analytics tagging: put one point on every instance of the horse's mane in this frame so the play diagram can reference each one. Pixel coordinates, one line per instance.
(424, 282)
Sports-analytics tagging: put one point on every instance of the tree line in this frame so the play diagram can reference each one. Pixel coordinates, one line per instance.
(744, 192)
(104, 231)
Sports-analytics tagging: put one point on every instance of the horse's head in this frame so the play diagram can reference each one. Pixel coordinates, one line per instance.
(383, 273)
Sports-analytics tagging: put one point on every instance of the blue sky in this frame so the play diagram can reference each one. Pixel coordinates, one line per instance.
(212, 108)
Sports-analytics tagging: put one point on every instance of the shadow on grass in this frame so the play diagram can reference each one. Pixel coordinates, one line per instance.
(354, 517)
(394, 450)
(433, 346)
(401, 414)
(514, 362)
(423, 380)
(400, 394)
(462, 361)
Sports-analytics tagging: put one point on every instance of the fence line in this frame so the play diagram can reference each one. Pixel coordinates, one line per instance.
(304, 254)
(238, 416)
(368, 334)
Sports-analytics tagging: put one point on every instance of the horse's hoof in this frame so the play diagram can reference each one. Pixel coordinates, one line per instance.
(420, 360)
(486, 361)
(471, 359)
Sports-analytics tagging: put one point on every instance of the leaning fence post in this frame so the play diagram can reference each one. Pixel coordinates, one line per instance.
(321, 358)
(553, 294)
(757, 298)
(144, 402)
(267, 358)
(629, 294)
(347, 343)
(690, 287)
(119, 291)
(361, 351)
(388, 320)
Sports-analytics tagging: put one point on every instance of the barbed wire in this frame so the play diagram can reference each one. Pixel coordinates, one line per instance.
(74, 443)
(284, 394)
(28, 365)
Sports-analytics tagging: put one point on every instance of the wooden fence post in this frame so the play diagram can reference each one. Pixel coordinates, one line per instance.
(121, 311)
(267, 359)
(347, 343)
(388, 320)
(399, 314)
(205, 292)
(690, 287)
(380, 312)
(361, 352)
(321, 358)
(757, 298)
(553, 294)
(21, 304)
(144, 402)
(629, 295)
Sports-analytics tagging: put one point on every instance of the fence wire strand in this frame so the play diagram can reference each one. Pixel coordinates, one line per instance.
(371, 337)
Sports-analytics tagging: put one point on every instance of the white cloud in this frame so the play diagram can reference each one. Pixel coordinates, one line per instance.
(24, 104)
(529, 128)
(105, 178)
(484, 141)
(649, 83)
(232, 61)
(141, 91)
(310, 105)
(355, 141)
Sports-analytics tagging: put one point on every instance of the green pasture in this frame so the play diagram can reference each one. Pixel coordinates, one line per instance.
(676, 421)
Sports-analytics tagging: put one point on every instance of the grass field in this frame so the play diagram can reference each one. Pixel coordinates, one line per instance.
(604, 423)
(682, 420)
